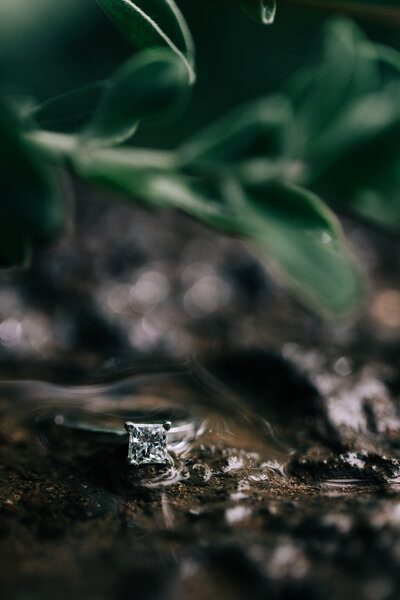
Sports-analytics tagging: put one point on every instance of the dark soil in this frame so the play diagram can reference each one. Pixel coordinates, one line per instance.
(305, 507)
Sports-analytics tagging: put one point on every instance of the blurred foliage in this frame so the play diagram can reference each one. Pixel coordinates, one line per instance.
(149, 85)
(34, 209)
(259, 172)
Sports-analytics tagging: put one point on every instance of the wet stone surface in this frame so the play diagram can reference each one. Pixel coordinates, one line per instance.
(292, 490)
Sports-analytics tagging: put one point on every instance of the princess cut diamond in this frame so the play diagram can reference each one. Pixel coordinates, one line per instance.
(148, 443)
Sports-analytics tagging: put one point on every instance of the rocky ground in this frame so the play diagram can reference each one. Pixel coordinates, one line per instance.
(291, 491)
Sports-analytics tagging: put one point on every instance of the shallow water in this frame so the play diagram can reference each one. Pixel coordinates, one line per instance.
(230, 436)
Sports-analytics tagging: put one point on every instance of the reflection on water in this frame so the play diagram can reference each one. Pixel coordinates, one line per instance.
(347, 483)
(231, 443)
(230, 436)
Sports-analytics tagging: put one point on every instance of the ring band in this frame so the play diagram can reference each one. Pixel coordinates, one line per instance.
(149, 441)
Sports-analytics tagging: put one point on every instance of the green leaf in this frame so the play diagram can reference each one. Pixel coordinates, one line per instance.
(152, 85)
(262, 11)
(368, 131)
(149, 86)
(152, 23)
(365, 177)
(32, 208)
(345, 72)
(380, 206)
(304, 242)
(69, 112)
(123, 169)
(151, 178)
(256, 128)
(298, 233)
(347, 128)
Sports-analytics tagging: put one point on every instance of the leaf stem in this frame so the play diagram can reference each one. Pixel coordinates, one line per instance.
(64, 147)
(57, 147)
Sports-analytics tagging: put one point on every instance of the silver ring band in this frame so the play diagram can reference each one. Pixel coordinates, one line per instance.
(149, 440)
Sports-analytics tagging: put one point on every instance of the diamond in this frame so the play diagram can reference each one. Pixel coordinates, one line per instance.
(148, 443)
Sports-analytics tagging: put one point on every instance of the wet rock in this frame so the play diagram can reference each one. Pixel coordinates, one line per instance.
(363, 413)
(345, 470)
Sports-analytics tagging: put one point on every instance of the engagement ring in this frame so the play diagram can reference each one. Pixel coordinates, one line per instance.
(149, 441)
